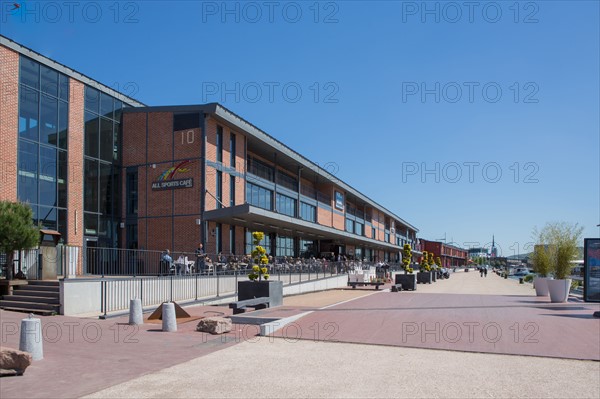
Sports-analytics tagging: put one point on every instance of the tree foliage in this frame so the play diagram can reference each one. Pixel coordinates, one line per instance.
(17, 230)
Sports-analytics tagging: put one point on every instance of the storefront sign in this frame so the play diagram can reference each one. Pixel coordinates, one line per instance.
(173, 184)
(339, 200)
(167, 182)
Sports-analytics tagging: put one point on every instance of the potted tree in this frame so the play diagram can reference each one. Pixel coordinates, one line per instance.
(408, 279)
(562, 244)
(259, 284)
(541, 266)
(424, 274)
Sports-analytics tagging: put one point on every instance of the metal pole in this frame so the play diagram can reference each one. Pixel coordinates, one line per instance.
(196, 278)
(171, 278)
(105, 296)
(217, 284)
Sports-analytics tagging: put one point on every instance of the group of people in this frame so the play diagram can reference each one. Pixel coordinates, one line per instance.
(167, 266)
(483, 270)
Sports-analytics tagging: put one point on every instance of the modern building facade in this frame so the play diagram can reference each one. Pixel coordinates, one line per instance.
(450, 255)
(105, 170)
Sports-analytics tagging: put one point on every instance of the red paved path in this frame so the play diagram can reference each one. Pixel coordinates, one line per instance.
(520, 325)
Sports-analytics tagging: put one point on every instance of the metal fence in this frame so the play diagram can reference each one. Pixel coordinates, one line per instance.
(152, 291)
(26, 264)
(127, 262)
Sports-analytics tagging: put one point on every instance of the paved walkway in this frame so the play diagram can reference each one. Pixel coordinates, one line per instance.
(192, 364)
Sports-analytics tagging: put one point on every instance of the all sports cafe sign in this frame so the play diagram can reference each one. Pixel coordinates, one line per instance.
(168, 181)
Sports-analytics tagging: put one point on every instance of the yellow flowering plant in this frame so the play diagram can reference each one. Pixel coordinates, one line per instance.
(424, 262)
(406, 258)
(260, 259)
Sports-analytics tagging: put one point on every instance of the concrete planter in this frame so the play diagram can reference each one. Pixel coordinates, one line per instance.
(258, 289)
(559, 290)
(408, 281)
(541, 285)
(424, 277)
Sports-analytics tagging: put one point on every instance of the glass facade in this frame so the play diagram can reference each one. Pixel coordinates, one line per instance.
(259, 196)
(284, 246)
(102, 119)
(42, 147)
(286, 205)
(265, 243)
(308, 212)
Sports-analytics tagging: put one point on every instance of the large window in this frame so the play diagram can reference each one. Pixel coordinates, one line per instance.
(308, 212)
(42, 145)
(132, 193)
(232, 190)
(102, 129)
(261, 169)
(359, 228)
(259, 196)
(307, 248)
(284, 246)
(350, 226)
(232, 150)
(219, 189)
(219, 144)
(286, 205)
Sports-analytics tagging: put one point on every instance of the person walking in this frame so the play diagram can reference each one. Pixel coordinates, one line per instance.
(485, 271)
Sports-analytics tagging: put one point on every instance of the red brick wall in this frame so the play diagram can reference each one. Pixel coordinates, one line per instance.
(9, 125)
(75, 171)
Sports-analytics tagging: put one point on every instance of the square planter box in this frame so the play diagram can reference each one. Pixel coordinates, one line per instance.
(424, 277)
(258, 289)
(408, 281)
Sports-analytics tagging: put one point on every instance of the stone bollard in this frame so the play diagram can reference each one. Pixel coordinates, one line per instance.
(135, 312)
(169, 321)
(31, 339)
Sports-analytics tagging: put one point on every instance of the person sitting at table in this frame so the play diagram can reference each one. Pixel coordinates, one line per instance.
(165, 261)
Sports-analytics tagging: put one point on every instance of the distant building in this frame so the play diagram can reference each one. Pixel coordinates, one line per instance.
(478, 253)
(450, 255)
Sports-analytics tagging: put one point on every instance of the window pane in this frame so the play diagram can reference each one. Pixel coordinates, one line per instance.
(118, 109)
(91, 134)
(28, 113)
(92, 99)
(62, 179)
(49, 81)
(90, 224)
(47, 180)
(106, 105)
(49, 121)
(106, 139)
(106, 189)
(116, 139)
(91, 185)
(63, 124)
(63, 87)
(29, 72)
(62, 223)
(28, 167)
(47, 217)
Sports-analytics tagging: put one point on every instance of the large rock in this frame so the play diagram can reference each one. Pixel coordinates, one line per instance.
(13, 361)
(214, 325)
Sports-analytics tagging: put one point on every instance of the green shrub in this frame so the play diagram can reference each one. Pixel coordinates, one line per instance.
(528, 278)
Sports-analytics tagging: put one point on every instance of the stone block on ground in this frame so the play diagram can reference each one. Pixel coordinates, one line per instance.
(214, 325)
(13, 361)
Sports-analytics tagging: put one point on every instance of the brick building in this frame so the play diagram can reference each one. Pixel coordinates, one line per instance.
(107, 171)
(450, 255)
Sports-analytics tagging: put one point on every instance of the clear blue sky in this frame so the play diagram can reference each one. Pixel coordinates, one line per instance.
(375, 120)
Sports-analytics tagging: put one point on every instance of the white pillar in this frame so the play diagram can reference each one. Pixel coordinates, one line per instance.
(135, 312)
(31, 337)
(169, 321)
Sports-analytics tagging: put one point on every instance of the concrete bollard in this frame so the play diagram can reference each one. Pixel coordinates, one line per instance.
(135, 312)
(169, 321)
(31, 339)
